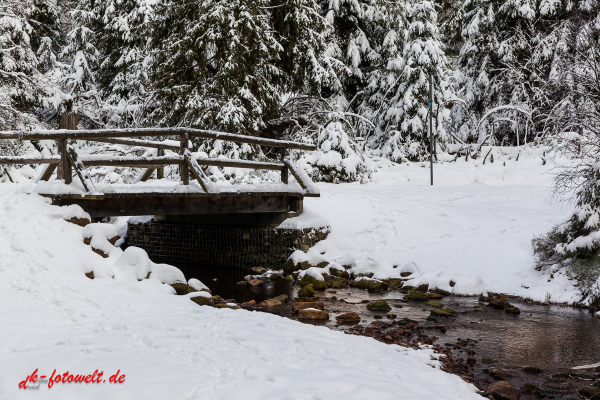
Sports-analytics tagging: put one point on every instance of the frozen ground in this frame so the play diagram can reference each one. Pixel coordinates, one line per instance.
(53, 317)
(473, 227)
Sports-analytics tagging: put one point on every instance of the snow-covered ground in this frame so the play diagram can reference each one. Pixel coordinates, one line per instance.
(474, 226)
(54, 318)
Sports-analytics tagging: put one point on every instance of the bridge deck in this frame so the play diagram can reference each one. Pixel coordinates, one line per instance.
(268, 202)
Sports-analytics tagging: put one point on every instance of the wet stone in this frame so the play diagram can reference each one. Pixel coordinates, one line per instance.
(502, 391)
(349, 317)
(589, 392)
(381, 305)
(499, 374)
(313, 314)
(255, 282)
(271, 303)
(297, 306)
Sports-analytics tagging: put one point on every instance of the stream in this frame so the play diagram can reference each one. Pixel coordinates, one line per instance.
(552, 338)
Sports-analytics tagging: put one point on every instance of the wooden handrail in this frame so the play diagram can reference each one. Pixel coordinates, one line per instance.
(146, 162)
(69, 159)
(91, 134)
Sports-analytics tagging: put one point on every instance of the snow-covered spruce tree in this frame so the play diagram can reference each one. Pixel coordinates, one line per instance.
(353, 39)
(22, 86)
(122, 34)
(574, 246)
(306, 67)
(215, 65)
(383, 77)
(81, 57)
(403, 125)
(45, 39)
(495, 59)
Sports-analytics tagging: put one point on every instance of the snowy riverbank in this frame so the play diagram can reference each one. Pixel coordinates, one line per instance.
(473, 227)
(54, 317)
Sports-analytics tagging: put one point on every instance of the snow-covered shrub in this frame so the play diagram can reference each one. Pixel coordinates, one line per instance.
(337, 158)
(575, 244)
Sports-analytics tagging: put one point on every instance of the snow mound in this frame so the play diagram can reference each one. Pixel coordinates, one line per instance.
(74, 212)
(107, 230)
(308, 219)
(313, 272)
(199, 294)
(167, 274)
(197, 285)
(134, 264)
(101, 243)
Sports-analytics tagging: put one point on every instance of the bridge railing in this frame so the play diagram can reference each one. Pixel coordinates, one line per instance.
(69, 160)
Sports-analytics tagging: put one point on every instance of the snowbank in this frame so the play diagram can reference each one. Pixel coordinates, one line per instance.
(473, 227)
(55, 318)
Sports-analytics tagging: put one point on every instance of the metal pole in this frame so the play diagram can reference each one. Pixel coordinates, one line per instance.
(431, 127)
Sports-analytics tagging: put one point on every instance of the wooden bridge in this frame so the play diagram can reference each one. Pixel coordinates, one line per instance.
(190, 200)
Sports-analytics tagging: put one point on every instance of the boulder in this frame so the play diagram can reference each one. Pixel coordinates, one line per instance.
(349, 317)
(196, 285)
(442, 292)
(255, 282)
(306, 291)
(289, 267)
(79, 221)
(394, 283)
(498, 374)
(226, 305)
(316, 283)
(76, 215)
(502, 391)
(512, 310)
(90, 274)
(100, 245)
(248, 303)
(529, 388)
(180, 288)
(271, 303)
(405, 274)
(297, 306)
(434, 304)
(380, 305)
(338, 272)
(313, 314)
(288, 278)
(281, 297)
(533, 370)
(337, 283)
(370, 284)
(107, 230)
(589, 392)
(422, 288)
(416, 296)
(202, 301)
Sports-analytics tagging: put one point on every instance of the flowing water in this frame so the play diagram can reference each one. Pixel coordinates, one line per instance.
(551, 337)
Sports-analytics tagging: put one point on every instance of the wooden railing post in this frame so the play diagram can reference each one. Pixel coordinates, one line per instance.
(284, 171)
(184, 170)
(65, 166)
(66, 120)
(160, 173)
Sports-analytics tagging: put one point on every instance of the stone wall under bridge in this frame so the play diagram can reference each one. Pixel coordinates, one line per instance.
(234, 247)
